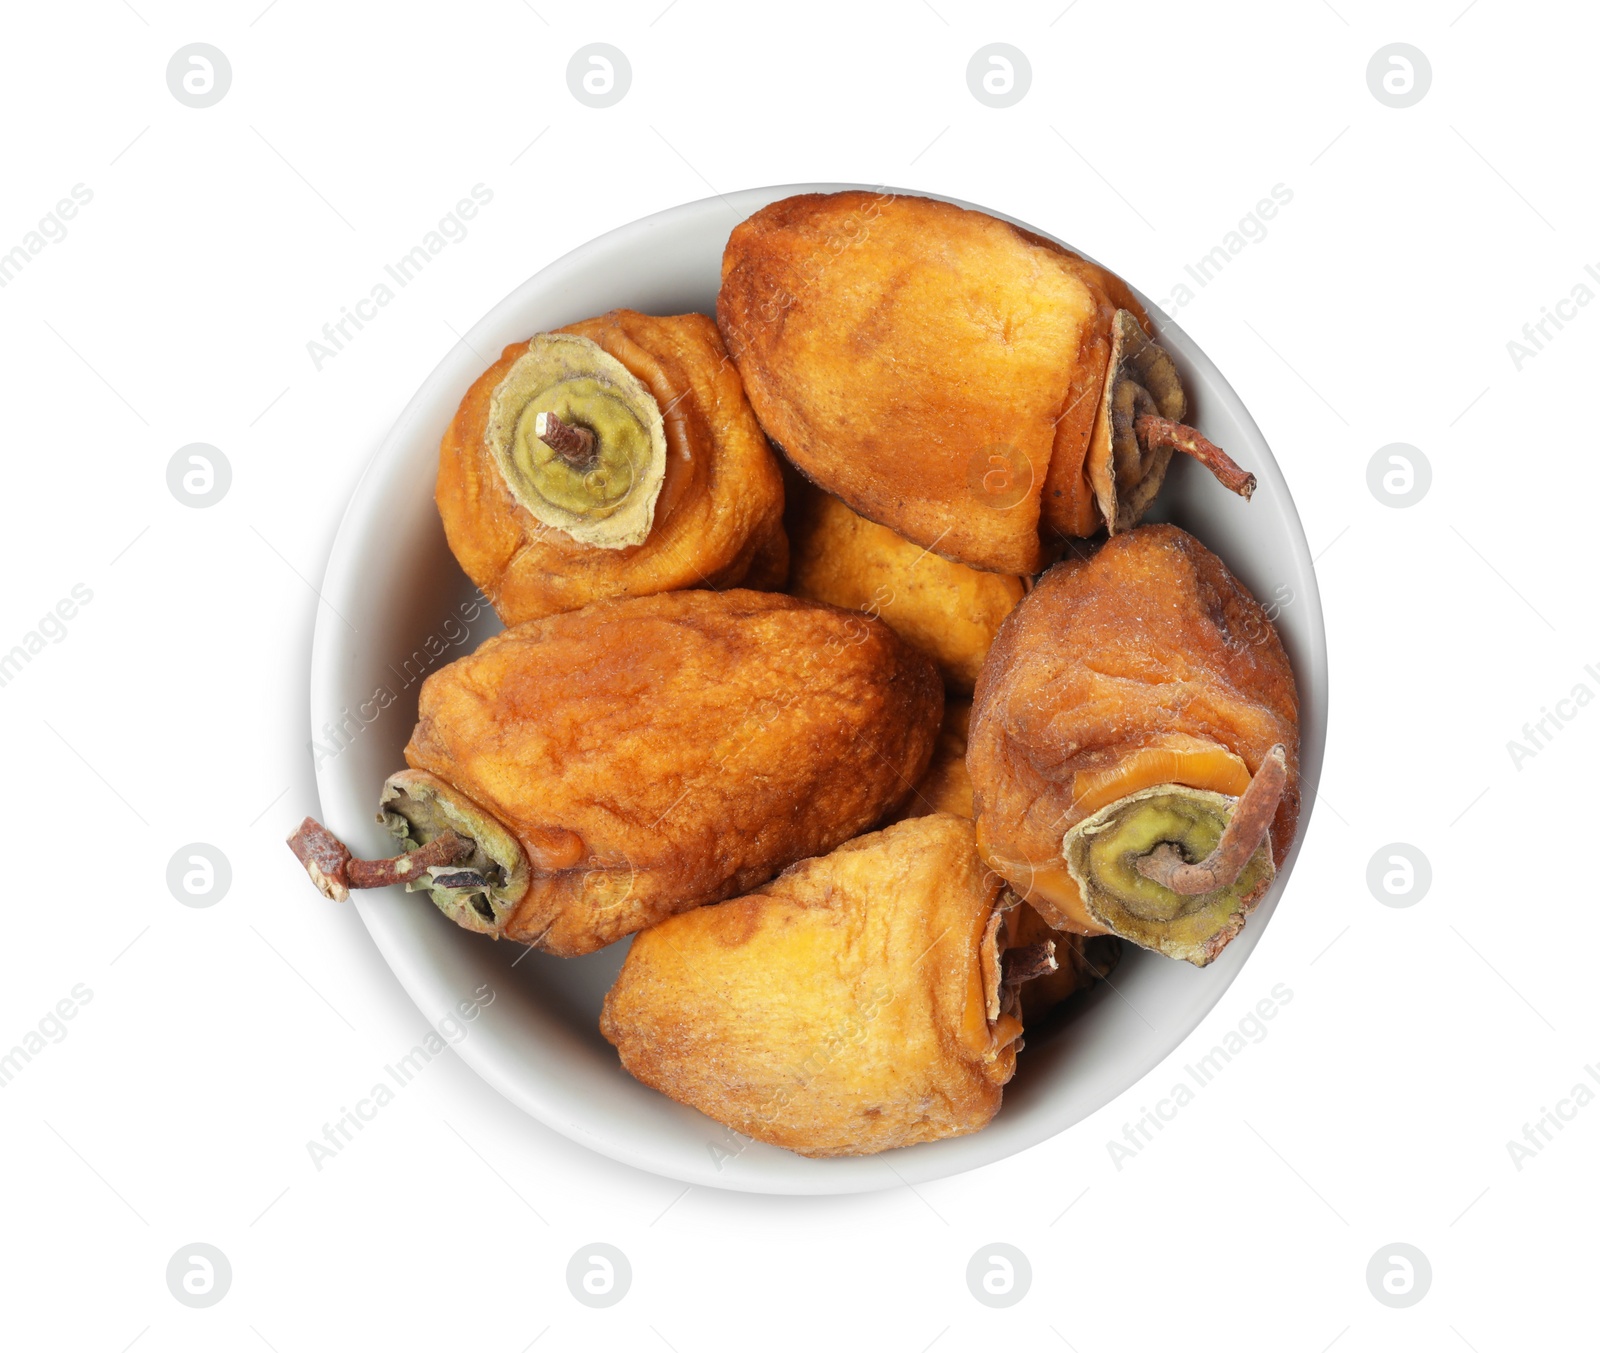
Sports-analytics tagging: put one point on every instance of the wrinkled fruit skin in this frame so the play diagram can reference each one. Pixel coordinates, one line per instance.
(948, 610)
(1148, 643)
(719, 518)
(945, 787)
(656, 753)
(938, 369)
(840, 1010)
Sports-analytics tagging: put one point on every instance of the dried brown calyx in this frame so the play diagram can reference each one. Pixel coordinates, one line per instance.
(458, 853)
(1028, 961)
(1178, 869)
(579, 441)
(1007, 965)
(1140, 427)
(1079, 962)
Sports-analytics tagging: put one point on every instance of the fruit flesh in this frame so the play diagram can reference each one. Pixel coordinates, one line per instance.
(950, 611)
(850, 1006)
(1170, 758)
(1144, 663)
(653, 754)
(910, 355)
(717, 521)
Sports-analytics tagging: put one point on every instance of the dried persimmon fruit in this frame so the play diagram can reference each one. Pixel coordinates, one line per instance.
(947, 609)
(945, 786)
(615, 457)
(977, 388)
(1134, 746)
(861, 1001)
(583, 776)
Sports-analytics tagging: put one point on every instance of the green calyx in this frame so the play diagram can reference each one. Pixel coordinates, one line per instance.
(1103, 854)
(602, 492)
(479, 892)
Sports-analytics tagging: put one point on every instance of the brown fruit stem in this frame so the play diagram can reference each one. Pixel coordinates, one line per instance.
(1246, 829)
(1154, 431)
(572, 443)
(1028, 961)
(332, 868)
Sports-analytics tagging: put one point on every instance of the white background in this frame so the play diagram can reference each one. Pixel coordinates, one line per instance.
(218, 1041)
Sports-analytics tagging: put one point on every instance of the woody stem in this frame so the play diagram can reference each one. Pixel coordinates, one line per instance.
(332, 868)
(1246, 829)
(1154, 431)
(572, 443)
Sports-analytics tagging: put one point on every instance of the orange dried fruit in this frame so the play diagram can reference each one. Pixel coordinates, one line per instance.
(1109, 759)
(950, 611)
(977, 388)
(596, 771)
(615, 457)
(860, 1001)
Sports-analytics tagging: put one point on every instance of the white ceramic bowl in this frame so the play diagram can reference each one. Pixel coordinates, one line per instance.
(393, 576)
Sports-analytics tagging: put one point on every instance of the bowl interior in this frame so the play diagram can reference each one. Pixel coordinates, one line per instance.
(539, 1042)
